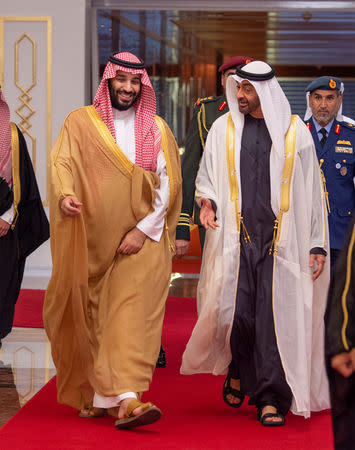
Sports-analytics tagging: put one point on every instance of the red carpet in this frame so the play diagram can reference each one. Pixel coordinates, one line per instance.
(28, 309)
(187, 265)
(191, 262)
(194, 414)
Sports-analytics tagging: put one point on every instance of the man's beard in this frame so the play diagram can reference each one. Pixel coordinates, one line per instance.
(249, 106)
(120, 105)
(323, 117)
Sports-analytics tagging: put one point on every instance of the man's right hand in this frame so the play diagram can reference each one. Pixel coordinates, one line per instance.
(207, 215)
(181, 247)
(70, 206)
(344, 363)
(4, 227)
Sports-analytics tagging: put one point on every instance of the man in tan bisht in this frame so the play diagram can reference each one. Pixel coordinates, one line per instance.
(114, 205)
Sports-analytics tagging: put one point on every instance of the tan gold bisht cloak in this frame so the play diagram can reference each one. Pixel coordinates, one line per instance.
(103, 312)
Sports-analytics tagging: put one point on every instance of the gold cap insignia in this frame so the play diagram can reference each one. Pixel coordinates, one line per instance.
(332, 83)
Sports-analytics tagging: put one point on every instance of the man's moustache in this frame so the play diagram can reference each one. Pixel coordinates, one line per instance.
(125, 92)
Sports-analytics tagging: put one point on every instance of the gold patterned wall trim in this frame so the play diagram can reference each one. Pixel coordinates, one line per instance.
(25, 97)
(26, 111)
(30, 385)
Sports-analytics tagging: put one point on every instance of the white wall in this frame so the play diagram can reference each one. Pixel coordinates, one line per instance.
(71, 76)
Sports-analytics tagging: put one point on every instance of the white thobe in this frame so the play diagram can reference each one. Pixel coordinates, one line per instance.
(153, 224)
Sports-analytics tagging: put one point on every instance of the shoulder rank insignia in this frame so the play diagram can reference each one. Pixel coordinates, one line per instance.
(351, 125)
(202, 100)
(308, 124)
(337, 129)
(222, 106)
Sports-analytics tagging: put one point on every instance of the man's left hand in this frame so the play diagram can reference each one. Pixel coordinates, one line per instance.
(132, 242)
(181, 247)
(320, 261)
(4, 227)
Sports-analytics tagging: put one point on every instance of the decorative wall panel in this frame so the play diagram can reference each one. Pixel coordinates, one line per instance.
(26, 80)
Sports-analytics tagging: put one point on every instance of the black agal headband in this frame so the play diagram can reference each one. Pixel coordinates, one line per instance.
(254, 76)
(127, 64)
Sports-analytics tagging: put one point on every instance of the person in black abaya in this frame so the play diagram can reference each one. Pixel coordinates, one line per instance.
(23, 222)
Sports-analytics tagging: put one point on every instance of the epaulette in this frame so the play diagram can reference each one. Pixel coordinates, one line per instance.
(204, 100)
(349, 125)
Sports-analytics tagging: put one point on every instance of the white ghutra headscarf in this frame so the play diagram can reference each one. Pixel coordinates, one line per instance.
(277, 115)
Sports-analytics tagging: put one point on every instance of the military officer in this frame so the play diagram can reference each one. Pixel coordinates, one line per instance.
(335, 143)
(206, 111)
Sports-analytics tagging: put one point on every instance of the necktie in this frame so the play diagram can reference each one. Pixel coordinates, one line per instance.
(323, 132)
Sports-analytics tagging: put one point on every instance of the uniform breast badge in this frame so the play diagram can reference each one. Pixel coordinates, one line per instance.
(343, 171)
(341, 149)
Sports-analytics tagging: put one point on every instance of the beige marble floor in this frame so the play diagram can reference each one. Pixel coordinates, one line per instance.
(26, 363)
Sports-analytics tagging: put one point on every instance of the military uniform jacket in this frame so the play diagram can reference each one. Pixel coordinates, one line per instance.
(337, 163)
(340, 314)
(206, 111)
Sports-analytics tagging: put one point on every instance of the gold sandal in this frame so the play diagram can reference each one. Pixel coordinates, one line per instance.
(150, 414)
(92, 412)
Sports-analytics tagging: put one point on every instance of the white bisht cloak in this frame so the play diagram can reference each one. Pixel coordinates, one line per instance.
(298, 302)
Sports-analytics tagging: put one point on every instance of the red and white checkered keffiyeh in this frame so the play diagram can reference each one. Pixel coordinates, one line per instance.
(5, 140)
(147, 134)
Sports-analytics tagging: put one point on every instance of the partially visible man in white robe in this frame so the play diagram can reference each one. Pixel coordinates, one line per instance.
(264, 277)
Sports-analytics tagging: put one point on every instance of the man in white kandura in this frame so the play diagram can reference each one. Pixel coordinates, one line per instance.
(260, 307)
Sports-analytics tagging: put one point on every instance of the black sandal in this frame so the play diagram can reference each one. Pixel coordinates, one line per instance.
(270, 423)
(228, 390)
